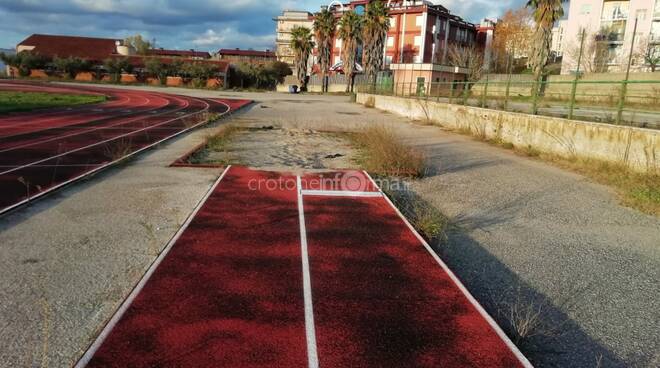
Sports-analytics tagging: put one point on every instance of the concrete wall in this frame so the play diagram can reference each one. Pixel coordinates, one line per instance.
(636, 147)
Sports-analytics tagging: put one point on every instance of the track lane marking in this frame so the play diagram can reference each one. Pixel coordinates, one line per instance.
(104, 166)
(498, 330)
(89, 354)
(310, 330)
(341, 193)
(107, 140)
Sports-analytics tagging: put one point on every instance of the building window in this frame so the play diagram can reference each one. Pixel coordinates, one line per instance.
(338, 43)
(419, 20)
(393, 22)
(585, 9)
(656, 13)
(418, 40)
(390, 41)
(615, 10)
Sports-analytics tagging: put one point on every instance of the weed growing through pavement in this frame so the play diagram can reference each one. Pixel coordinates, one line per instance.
(425, 218)
(118, 149)
(216, 143)
(382, 153)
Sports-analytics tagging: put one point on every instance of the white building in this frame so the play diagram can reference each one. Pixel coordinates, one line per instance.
(609, 28)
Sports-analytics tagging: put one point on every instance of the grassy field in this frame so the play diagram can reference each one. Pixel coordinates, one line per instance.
(27, 101)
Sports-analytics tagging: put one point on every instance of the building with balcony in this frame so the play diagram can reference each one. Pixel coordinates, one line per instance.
(284, 24)
(609, 26)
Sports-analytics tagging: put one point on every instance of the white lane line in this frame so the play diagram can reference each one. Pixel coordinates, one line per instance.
(312, 354)
(498, 330)
(102, 167)
(104, 141)
(89, 354)
(341, 193)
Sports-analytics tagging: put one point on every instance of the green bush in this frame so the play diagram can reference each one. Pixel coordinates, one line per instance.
(116, 66)
(199, 73)
(260, 76)
(25, 62)
(71, 66)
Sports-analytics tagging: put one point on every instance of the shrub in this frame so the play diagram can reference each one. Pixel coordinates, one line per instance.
(71, 66)
(260, 76)
(199, 73)
(116, 66)
(25, 62)
(158, 69)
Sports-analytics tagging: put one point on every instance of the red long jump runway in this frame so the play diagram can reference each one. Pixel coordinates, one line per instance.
(44, 150)
(274, 270)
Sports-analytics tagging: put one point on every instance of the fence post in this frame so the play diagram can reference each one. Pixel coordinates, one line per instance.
(485, 93)
(451, 92)
(622, 101)
(571, 107)
(465, 92)
(535, 95)
(624, 84)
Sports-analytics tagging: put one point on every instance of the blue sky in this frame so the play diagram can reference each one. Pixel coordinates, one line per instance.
(199, 24)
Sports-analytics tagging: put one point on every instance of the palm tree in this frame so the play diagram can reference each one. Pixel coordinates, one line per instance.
(302, 46)
(350, 32)
(546, 13)
(374, 34)
(325, 26)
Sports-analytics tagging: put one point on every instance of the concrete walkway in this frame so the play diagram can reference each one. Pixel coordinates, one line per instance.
(525, 231)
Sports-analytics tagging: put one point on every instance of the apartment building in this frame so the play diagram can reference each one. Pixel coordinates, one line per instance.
(609, 28)
(558, 39)
(284, 24)
(420, 32)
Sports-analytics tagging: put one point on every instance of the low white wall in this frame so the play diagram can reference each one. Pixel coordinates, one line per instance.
(636, 147)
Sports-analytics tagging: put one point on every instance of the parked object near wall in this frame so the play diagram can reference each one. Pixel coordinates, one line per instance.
(174, 82)
(637, 148)
(128, 78)
(85, 77)
(38, 73)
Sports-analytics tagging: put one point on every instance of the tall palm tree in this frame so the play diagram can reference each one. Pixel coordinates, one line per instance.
(302, 46)
(325, 26)
(350, 32)
(545, 13)
(374, 34)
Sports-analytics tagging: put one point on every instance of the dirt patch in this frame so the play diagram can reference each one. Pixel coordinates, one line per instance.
(278, 148)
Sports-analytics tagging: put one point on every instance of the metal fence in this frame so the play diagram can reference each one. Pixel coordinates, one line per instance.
(627, 102)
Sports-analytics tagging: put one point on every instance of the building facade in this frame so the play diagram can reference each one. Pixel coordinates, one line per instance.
(284, 24)
(420, 32)
(609, 28)
(237, 56)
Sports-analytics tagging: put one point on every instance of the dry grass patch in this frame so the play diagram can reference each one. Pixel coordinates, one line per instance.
(216, 143)
(383, 153)
(637, 190)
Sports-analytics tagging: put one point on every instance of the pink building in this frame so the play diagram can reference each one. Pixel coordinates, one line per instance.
(609, 28)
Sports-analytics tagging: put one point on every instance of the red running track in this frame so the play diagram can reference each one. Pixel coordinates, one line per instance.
(43, 150)
(278, 271)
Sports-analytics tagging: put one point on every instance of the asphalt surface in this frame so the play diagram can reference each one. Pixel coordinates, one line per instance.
(525, 230)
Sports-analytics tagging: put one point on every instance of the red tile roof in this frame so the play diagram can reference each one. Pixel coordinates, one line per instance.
(66, 46)
(180, 53)
(238, 52)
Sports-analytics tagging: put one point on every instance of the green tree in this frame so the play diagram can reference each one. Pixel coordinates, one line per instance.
(545, 13)
(280, 70)
(116, 66)
(71, 66)
(199, 72)
(325, 25)
(302, 46)
(157, 68)
(139, 44)
(25, 62)
(350, 32)
(374, 34)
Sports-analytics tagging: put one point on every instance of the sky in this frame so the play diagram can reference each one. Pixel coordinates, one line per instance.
(189, 24)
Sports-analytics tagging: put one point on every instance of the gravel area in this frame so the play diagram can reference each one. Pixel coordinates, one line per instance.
(525, 232)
